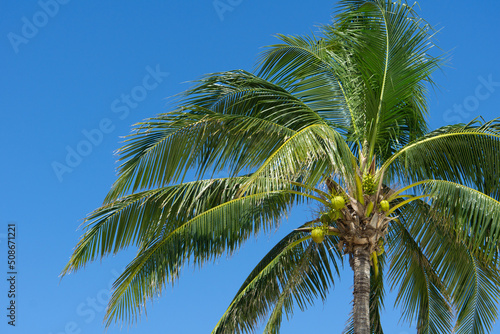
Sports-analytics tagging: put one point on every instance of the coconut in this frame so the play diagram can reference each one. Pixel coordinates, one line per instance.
(384, 205)
(338, 202)
(334, 214)
(318, 235)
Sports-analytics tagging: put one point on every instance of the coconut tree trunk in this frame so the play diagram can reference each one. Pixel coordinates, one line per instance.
(361, 308)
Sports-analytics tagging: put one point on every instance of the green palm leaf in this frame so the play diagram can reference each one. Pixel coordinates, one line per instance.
(470, 280)
(137, 218)
(232, 120)
(294, 271)
(241, 92)
(203, 238)
(422, 293)
(390, 48)
(468, 154)
(304, 66)
(309, 155)
(472, 215)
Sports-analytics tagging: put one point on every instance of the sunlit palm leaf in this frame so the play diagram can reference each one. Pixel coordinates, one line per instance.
(472, 215)
(206, 236)
(243, 93)
(471, 283)
(138, 218)
(294, 271)
(310, 154)
(309, 280)
(391, 50)
(469, 154)
(230, 121)
(304, 65)
(422, 294)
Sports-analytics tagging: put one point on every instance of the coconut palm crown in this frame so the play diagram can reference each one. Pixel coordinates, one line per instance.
(336, 121)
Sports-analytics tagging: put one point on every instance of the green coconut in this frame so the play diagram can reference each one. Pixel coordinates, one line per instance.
(318, 235)
(384, 205)
(338, 202)
(334, 214)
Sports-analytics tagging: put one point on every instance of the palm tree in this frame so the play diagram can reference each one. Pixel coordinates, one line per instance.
(336, 121)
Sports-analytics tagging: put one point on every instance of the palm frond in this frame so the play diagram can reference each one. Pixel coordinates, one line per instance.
(471, 215)
(470, 281)
(229, 121)
(475, 294)
(309, 155)
(468, 154)
(391, 50)
(294, 272)
(305, 67)
(241, 92)
(138, 218)
(422, 294)
(205, 237)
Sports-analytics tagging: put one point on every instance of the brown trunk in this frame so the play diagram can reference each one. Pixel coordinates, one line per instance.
(361, 308)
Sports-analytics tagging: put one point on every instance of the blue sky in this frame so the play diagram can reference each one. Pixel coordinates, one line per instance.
(77, 74)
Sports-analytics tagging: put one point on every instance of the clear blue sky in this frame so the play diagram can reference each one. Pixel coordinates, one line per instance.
(78, 69)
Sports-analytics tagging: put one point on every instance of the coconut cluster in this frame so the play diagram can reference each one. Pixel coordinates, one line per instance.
(369, 184)
(357, 222)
